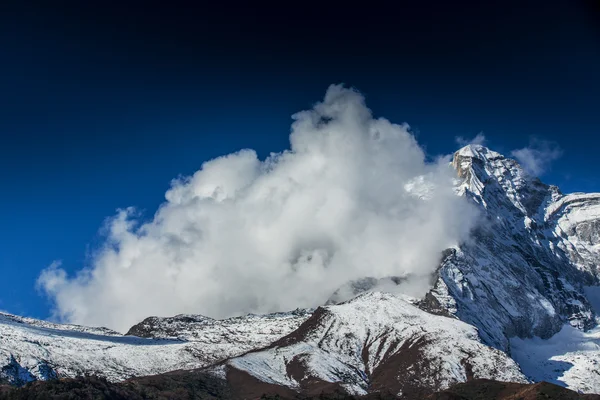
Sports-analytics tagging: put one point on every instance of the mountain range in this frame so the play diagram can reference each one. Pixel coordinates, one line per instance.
(518, 302)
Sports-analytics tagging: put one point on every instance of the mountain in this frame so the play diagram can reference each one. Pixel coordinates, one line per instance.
(517, 302)
(35, 350)
(364, 343)
(524, 271)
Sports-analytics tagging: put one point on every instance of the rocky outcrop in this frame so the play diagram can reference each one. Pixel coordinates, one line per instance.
(256, 329)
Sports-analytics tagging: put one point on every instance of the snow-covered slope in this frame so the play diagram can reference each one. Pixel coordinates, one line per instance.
(570, 358)
(6, 318)
(378, 341)
(37, 350)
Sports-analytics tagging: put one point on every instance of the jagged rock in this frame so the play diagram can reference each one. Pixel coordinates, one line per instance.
(524, 271)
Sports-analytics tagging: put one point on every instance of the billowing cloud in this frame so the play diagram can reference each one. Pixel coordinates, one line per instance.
(353, 197)
(537, 157)
(478, 139)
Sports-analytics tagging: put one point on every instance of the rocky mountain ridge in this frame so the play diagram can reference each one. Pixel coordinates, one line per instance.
(526, 268)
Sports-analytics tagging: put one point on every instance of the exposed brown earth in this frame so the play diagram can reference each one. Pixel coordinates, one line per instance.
(192, 385)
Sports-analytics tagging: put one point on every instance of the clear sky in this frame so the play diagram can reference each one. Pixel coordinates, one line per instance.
(103, 103)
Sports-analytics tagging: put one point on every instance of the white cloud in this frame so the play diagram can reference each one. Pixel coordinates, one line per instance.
(353, 197)
(537, 157)
(478, 139)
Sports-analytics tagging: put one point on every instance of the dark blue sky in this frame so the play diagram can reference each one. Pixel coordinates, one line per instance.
(102, 104)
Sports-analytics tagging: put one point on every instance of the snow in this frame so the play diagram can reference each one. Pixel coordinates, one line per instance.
(478, 151)
(523, 271)
(571, 201)
(380, 324)
(45, 350)
(64, 327)
(530, 268)
(72, 353)
(571, 358)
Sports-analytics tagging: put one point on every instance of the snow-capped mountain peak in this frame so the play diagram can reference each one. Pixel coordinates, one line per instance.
(479, 152)
(491, 179)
